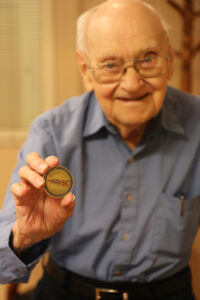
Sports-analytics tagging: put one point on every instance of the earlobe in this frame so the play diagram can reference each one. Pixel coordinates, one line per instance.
(85, 73)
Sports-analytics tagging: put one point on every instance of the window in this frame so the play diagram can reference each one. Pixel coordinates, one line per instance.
(20, 64)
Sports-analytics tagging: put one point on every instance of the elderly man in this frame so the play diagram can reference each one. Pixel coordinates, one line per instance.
(132, 145)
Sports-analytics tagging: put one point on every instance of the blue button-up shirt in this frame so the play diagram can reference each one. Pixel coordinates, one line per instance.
(129, 222)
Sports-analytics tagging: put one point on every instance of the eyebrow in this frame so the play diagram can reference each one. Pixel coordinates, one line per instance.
(151, 46)
(105, 58)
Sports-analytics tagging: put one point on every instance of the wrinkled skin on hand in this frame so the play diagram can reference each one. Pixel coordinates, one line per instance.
(39, 216)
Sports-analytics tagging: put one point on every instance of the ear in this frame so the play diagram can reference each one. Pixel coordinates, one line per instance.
(171, 63)
(85, 73)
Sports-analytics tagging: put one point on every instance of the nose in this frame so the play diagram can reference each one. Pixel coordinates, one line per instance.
(131, 80)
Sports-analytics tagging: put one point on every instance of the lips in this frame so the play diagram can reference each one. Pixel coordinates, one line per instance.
(127, 99)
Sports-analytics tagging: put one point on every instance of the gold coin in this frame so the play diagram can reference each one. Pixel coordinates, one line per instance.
(58, 182)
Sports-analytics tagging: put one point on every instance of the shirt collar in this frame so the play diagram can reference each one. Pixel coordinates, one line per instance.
(95, 117)
(168, 118)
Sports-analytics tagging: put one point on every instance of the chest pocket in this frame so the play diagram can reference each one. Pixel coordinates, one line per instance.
(174, 234)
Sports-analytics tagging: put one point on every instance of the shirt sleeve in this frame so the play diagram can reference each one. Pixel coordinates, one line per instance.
(12, 268)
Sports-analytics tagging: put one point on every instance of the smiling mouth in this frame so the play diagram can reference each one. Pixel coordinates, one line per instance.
(134, 99)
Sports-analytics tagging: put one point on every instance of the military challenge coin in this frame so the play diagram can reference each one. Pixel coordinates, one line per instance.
(58, 182)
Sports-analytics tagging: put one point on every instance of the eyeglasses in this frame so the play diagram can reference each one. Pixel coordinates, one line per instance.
(147, 67)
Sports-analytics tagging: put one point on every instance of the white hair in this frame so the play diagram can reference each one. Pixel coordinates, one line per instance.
(81, 28)
(83, 21)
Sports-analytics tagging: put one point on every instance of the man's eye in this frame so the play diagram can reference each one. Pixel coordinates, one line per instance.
(111, 65)
(150, 58)
(149, 61)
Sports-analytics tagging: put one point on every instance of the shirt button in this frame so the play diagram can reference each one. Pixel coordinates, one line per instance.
(125, 236)
(22, 271)
(117, 272)
(130, 198)
(131, 159)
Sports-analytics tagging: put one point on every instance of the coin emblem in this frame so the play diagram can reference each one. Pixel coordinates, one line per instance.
(58, 182)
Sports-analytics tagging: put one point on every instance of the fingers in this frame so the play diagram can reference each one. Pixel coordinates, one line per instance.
(68, 201)
(52, 161)
(32, 174)
(28, 175)
(40, 165)
(37, 167)
(22, 193)
(67, 206)
(46, 214)
(19, 190)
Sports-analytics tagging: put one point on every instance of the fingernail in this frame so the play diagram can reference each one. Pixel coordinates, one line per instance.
(39, 182)
(43, 167)
(20, 189)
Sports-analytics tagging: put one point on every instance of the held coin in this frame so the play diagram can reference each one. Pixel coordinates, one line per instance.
(58, 182)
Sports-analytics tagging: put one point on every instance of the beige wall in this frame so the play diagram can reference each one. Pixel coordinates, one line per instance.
(61, 80)
(7, 162)
(8, 158)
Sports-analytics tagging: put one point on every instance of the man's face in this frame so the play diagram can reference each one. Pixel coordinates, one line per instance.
(128, 35)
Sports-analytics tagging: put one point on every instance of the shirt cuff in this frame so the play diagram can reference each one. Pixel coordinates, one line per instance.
(33, 253)
(17, 269)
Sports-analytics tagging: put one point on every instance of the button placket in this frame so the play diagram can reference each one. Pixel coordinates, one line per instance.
(128, 218)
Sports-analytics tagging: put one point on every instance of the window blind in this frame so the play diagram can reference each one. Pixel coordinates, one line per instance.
(20, 63)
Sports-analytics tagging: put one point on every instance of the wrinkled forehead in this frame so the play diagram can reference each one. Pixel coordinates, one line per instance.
(124, 29)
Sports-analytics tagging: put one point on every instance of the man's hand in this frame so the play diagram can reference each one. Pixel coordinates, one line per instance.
(39, 216)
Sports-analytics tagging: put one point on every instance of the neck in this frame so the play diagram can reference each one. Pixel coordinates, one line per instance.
(131, 135)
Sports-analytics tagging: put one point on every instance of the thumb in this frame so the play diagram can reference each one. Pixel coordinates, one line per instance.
(67, 206)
